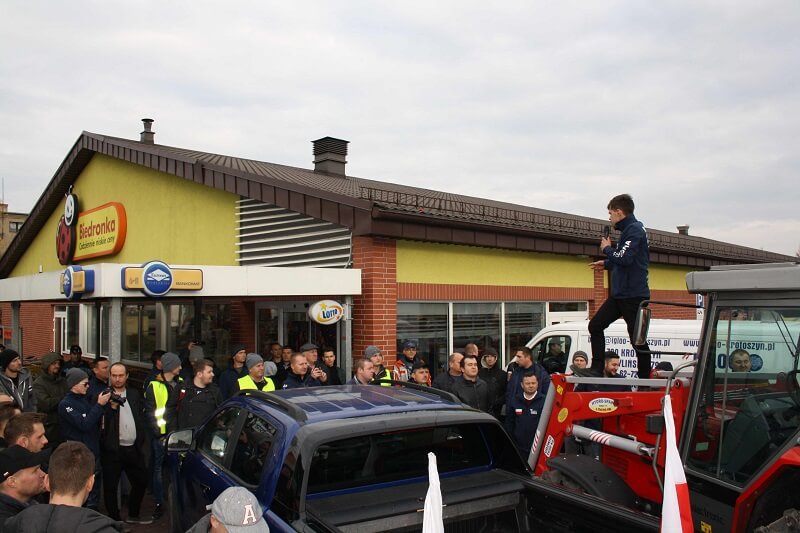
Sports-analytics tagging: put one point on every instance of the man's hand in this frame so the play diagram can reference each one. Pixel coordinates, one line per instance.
(605, 242)
(103, 397)
(5, 398)
(598, 265)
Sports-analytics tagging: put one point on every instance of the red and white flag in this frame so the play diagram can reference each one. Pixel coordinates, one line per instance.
(676, 513)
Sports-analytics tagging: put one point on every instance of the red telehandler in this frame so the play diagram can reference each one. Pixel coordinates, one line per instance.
(736, 406)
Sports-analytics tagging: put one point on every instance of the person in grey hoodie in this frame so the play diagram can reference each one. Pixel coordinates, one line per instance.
(70, 477)
(49, 389)
(16, 381)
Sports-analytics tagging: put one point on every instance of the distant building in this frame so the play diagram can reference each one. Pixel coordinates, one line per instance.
(10, 224)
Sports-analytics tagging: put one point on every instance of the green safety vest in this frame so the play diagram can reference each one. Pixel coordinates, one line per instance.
(246, 382)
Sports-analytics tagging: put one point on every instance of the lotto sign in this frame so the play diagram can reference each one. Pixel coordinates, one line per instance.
(326, 312)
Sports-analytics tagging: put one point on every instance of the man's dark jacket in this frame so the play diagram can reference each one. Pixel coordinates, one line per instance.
(109, 441)
(294, 381)
(628, 261)
(522, 419)
(80, 421)
(473, 393)
(47, 518)
(496, 379)
(194, 404)
(11, 507)
(49, 390)
(444, 381)
(515, 382)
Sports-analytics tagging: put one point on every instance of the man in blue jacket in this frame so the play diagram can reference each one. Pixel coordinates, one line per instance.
(523, 412)
(80, 419)
(627, 264)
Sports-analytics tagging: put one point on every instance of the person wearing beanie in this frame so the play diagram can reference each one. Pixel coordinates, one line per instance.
(236, 369)
(80, 420)
(374, 354)
(196, 353)
(74, 359)
(49, 389)
(254, 379)
(496, 378)
(16, 382)
(159, 412)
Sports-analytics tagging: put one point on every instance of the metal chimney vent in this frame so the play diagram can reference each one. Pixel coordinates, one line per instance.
(148, 136)
(330, 155)
(683, 229)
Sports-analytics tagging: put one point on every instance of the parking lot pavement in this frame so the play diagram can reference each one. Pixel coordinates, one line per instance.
(161, 525)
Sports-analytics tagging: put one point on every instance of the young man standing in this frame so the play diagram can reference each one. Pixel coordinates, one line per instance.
(523, 413)
(254, 379)
(16, 382)
(48, 389)
(627, 264)
(199, 398)
(374, 354)
(469, 388)
(235, 370)
(21, 478)
(364, 372)
(496, 378)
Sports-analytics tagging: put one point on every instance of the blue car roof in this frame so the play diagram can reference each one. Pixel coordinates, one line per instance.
(345, 401)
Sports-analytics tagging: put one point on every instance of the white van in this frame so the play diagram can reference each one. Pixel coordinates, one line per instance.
(667, 335)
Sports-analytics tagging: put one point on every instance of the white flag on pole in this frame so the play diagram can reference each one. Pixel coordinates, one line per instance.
(432, 521)
(676, 513)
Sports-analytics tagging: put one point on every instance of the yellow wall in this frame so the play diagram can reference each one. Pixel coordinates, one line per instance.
(419, 262)
(169, 218)
(668, 278)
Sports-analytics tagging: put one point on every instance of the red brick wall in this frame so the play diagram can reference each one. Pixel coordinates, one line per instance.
(243, 324)
(36, 321)
(375, 311)
(599, 293)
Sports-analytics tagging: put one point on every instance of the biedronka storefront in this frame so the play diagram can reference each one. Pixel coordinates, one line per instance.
(135, 246)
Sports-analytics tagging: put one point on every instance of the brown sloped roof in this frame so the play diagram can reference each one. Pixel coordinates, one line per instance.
(371, 207)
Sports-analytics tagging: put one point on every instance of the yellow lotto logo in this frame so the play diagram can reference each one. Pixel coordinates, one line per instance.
(326, 312)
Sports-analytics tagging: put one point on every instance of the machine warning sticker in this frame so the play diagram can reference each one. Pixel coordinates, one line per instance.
(602, 405)
(562, 414)
(560, 390)
(548, 445)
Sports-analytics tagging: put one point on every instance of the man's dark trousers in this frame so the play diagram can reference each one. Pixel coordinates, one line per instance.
(611, 310)
(130, 461)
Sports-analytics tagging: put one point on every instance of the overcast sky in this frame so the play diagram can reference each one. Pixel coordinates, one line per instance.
(692, 107)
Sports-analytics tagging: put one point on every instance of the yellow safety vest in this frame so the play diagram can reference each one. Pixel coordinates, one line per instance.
(160, 395)
(385, 375)
(246, 382)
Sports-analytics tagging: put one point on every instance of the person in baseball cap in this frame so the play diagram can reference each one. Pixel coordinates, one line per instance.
(237, 510)
(21, 478)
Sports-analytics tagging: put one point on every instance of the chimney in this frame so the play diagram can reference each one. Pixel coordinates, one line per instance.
(147, 136)
(683, 229)
(330, 155)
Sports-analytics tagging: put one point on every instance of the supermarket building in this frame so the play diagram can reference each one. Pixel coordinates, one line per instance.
(135, 246)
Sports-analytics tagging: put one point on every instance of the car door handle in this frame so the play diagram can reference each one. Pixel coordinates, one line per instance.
(205, 488)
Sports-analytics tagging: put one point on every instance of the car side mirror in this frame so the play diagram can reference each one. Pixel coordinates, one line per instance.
(642, 325)
(180, 441)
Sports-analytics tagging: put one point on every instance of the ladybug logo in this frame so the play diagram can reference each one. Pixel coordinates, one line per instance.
(65, 242)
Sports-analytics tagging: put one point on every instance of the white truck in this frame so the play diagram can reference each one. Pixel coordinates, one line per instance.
(667, 335)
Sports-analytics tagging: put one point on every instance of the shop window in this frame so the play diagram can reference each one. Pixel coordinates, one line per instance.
(215, 328)
(180, 325)
(138, 332)
(567, 307)
(65, 327)
(91, 330)
(425, 323)
(522, 321)
(478, 323)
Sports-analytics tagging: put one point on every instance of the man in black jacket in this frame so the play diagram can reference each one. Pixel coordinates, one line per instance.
(198, 399)
(496, 379)
(121, 444)
(469, 388)
(48, 389)
(70, 479)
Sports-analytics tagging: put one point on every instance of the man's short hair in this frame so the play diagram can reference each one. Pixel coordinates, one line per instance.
(156, 355)
(524, 349)
(610, 354)
(464, 360)
(7, 412)
(296, 356)
(21, 425)
(452, 356)
(98, 360)
(361, 363)
(530, 374)
(70, 467)
(200, 365)
(740, 351)
(623, 202)
(118, 363)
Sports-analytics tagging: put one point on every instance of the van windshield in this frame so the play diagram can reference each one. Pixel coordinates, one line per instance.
(396, 455)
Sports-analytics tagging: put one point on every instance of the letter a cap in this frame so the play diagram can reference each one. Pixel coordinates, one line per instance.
(239, 511)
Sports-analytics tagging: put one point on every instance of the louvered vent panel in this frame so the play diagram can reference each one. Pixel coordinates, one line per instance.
(272, 236)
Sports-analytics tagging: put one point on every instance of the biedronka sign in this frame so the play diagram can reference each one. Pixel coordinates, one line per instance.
(94, 233)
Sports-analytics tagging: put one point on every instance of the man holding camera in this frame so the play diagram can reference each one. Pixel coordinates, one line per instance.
(121, 445)
(80, 419)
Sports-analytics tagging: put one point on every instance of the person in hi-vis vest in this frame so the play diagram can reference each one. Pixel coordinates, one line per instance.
(373, 353)
(254, 379)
